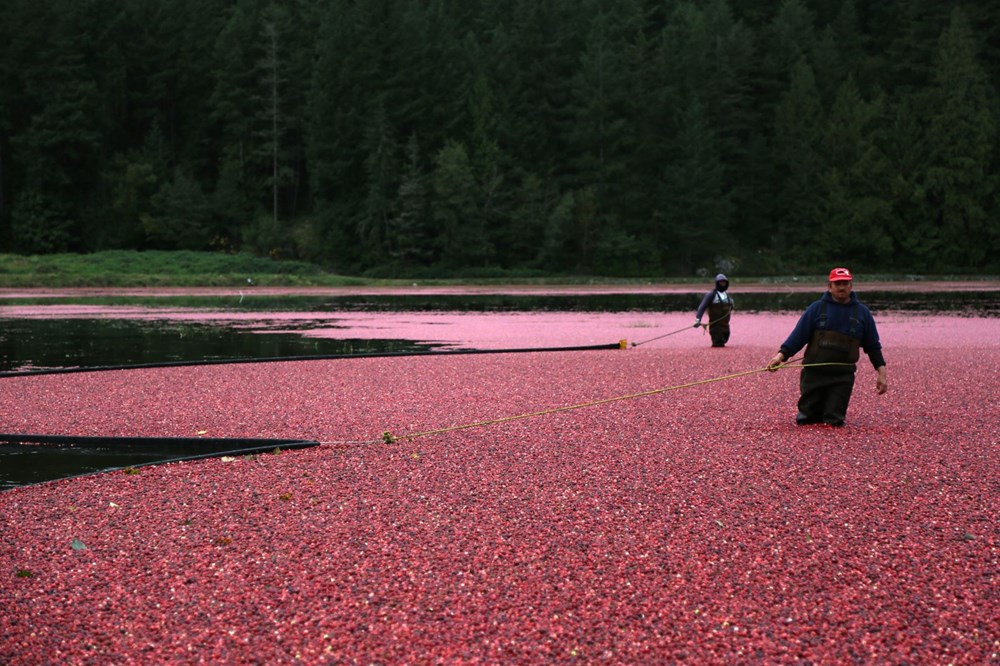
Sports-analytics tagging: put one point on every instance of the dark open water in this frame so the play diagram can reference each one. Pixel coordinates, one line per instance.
(68, 343)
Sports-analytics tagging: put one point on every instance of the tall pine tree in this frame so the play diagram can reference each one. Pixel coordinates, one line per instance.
(961, 185)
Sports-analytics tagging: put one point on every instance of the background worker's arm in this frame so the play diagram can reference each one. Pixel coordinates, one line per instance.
(702, 307)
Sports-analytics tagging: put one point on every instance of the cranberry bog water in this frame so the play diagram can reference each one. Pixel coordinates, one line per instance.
(649, 504)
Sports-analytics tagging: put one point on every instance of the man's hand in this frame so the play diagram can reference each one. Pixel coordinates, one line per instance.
(882, 383)
(697, 324)
(776, 362)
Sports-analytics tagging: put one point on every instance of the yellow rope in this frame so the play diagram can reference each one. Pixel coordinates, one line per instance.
(704, 329)
(389, 438)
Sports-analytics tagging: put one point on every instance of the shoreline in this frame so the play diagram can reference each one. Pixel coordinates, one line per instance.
(914, 286)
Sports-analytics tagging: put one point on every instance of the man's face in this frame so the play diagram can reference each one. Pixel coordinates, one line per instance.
(841, 290)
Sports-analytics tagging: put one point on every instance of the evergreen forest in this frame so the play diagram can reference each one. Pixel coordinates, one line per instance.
(398, 138)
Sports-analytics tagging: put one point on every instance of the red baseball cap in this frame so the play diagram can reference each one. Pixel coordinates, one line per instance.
(840, 274)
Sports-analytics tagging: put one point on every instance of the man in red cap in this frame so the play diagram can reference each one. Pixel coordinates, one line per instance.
(832, 330)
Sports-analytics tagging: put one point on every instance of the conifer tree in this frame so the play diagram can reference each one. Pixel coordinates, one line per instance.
(798, 161)
(459, 224)
(59, 147)
(856, 208)
(961, 136)
(696, 211)
(408, 240)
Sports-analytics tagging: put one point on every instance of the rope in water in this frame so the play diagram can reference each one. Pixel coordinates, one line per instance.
(686, 328)
(288, 359)
(389, 438)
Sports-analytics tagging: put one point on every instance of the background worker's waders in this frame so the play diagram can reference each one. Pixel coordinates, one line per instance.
(718, 322)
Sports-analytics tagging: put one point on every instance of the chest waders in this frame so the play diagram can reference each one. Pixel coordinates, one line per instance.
(826, 391)
(719, 313)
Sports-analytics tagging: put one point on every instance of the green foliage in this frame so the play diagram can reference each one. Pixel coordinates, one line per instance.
(457, 212)
(857, 208)
(179, 216)
(961, 185)
(695, 206)
(408, 238)
(265, 237)
(156, 267)
(799, 161)
(403, 138)
(133, 185)
(40, 224)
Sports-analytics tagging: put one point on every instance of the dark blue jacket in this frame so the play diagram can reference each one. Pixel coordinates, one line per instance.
(838, 318)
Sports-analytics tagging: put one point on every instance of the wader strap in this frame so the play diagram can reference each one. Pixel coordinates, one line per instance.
(831, 346)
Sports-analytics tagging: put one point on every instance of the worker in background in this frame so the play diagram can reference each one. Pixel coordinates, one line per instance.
(719, 305)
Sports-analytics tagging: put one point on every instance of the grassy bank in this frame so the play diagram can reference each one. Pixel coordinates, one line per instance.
(160, 269)
(126, 268)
